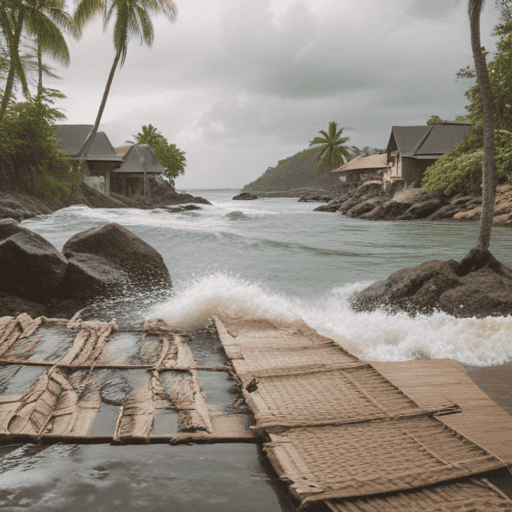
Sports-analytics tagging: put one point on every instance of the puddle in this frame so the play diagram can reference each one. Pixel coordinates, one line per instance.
(165, 423)
(220, 390)
(105, 420)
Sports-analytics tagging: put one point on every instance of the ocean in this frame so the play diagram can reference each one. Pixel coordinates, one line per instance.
(277, 257)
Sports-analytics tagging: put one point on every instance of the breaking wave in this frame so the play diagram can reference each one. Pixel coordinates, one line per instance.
(374, 336)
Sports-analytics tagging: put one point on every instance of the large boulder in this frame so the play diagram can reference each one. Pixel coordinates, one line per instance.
(478, 286)
(111, 260)
(30, 267)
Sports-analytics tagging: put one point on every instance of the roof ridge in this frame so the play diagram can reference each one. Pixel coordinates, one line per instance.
(422, 140)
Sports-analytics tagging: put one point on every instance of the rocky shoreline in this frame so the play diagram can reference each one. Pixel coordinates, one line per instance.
(371, 202)
(20, 206)
(96, 264)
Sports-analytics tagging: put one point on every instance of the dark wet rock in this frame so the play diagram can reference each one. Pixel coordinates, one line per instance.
(30, 267)
(179, 208)
(21, 206)
(364, 207)
(163, 192)
(10, 305)
(110, 260)
(394, 186)
(478, 286)
(421, 209)
(245, 196)
(321, 198)
(333, 205)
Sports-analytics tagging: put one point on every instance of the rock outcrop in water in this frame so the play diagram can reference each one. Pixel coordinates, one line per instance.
(371, 202)
(20, 206)
(478, 286)
(245, 196)
(101, 262)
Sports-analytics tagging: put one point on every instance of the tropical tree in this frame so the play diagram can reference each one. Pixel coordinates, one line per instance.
(331, 149)
(366, 151)
(172, 158)
(132, 18)
(41, 20)
(487, 105)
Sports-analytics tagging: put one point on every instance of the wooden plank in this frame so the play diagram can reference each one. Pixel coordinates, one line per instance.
(481, 420)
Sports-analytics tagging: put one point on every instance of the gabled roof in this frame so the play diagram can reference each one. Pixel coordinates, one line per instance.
(140, 158)
(73, 136)
(427, 141)
(361, 163)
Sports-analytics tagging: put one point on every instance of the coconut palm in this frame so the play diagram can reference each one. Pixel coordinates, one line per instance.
(331, 148)
(42, 21)
(132, 17)
(487, 102)
(149, 135)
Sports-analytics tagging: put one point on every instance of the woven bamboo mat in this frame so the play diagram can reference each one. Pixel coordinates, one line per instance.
(471, 495)
(373, 457)
(340, 429)
(317, 396)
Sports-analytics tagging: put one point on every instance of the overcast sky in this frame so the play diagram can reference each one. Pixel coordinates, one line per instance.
(241, 84)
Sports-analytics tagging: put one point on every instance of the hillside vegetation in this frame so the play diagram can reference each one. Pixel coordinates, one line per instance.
(293, 172)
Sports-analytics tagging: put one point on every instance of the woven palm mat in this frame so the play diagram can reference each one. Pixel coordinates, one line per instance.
(55, 385)
(471, 495)
(315, 396)
(373, 457)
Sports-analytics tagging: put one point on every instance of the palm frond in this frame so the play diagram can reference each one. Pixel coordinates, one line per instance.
(86, 11)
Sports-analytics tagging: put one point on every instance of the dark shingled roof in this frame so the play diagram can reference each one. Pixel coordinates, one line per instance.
(140, 158)
(427, 141)
(72, 137)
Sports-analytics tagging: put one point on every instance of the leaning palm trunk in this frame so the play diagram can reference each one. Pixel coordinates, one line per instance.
(487, 102)
(82, 154)
(15, 66)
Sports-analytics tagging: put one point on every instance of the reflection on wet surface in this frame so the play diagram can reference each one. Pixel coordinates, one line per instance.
(200, 478)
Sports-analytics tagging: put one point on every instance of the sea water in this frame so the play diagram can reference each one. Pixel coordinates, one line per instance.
(278, 257)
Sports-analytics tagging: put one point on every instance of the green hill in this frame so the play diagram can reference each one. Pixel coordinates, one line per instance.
(295, 172)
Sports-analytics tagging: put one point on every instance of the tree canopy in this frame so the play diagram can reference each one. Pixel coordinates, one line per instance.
(460, 170)
(167, 154)
(331, 148)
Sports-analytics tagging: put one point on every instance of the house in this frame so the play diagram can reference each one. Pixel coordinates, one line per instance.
(361, 166)
(101, 159)
(411, 149)
(139, 163)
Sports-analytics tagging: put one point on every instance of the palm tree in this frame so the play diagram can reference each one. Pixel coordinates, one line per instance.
(331, 148)
(56, 48)
(149, 135)
(487, 102)
(40, 20)
(132, 18)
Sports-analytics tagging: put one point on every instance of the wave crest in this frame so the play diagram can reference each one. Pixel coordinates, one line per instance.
(374, 336)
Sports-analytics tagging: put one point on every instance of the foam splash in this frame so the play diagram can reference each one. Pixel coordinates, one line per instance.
(375, 336)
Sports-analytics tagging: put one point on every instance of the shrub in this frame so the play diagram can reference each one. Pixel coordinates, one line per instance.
(31, 160)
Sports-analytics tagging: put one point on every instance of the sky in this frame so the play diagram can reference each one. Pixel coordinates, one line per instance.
(241, 84)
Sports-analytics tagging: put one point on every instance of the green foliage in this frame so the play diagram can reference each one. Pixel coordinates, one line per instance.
(434, 119)
(30, 160)
(460, 170)
(167, 154)
(294, 172)
(331, 149)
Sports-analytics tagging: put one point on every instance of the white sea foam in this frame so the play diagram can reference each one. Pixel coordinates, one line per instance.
(375, 336)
